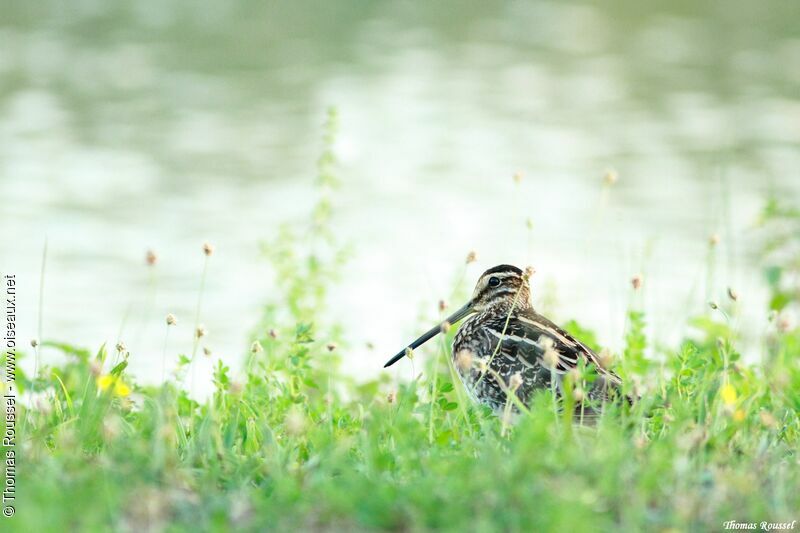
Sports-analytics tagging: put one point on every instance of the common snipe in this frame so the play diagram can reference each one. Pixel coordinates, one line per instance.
(504, 339)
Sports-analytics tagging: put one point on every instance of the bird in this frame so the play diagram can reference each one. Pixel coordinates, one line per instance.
(505, 347)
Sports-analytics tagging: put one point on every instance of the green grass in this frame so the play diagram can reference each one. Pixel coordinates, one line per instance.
(296, 445)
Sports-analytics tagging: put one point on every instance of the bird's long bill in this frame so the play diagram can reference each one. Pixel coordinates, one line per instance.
(431, 333)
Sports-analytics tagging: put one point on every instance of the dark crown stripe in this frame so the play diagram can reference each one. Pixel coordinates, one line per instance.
(503, 268)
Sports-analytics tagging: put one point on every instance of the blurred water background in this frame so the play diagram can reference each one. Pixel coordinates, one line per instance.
(132, 125)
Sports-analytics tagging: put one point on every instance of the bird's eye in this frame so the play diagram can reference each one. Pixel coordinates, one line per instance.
(494, 282)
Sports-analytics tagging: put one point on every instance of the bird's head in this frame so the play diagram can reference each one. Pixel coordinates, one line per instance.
(504, 288)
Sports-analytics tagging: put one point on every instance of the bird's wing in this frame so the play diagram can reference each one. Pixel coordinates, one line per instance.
(527, 335)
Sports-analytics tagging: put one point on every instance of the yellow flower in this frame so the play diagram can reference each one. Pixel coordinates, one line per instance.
(121, 389)
(728, 394)
(107, 381)
(738, 415)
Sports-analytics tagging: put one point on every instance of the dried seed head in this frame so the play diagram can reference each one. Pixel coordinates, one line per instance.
(111, 427)
(66, 437)
(784, 324)
(610, 177)
(545, 342)
(636, 281)
(529, 272)
(120, 347)
(167, 433)
(575, 375)
(767, 420)
(444, 327)
(442, 305)
(235, 388)
(517, 177)
(507, 419)
(578, 394)
(256, 347)
(273, 334)
(171, 320)
(605, 358)
(550, 357)
(200, 332)
(464, 360)
(732, 294)
(391, 397)
(713, 239)
(95, 367)
(42, 403)
(295, 422)
(34, 343)
(515, 381)
(206, 351)
(242, 512)
(331, 346)
(472, 256)
(151, 258)
(208, 249)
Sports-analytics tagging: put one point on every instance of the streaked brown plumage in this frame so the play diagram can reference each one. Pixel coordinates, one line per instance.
(504, 337)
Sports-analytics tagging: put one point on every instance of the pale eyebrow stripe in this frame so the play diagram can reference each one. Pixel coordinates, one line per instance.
(514, 338)
(548, 330)
(500, 275)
